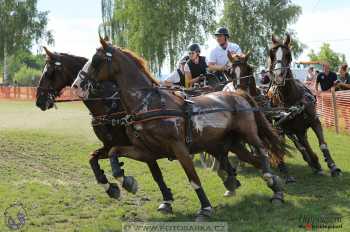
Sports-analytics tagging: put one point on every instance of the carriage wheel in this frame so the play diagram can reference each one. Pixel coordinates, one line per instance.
(207, 160)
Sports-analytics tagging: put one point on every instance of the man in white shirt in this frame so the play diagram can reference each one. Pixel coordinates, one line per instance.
(218, 56)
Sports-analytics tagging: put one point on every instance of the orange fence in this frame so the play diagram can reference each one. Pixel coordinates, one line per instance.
(29, 93)
(333, 107)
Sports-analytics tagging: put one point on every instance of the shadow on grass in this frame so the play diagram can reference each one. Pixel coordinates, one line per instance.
(256, 213)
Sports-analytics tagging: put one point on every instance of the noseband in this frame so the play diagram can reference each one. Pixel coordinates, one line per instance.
(285, 69)
(231, 71)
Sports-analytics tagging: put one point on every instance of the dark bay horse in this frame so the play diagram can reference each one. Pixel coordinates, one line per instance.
(60, 71)
(163, 135)
(242, 75)
(289, 92)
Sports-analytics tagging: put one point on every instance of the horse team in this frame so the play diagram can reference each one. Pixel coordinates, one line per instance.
(137, 118)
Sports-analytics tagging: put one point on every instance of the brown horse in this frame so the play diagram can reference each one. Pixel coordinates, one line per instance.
(158, 126)
(60, 71)
(242, 75)
(292, 93)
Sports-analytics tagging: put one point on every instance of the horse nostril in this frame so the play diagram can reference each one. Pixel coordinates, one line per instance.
(75, 86)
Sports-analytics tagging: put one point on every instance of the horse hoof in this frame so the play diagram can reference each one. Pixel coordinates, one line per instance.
(290, 180)
(229, 193)
(165, 208)
(319, 172)
(113, 191)
(336, 172)
(204, 214)
(130, 184)
(276, 202)
(277, 198)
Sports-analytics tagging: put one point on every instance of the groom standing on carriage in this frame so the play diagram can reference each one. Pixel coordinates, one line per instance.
(218, 56)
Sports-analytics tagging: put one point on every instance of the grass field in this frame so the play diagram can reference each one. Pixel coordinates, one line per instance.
(44, 165)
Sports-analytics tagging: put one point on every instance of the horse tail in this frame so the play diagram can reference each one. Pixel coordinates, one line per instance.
(275, 144)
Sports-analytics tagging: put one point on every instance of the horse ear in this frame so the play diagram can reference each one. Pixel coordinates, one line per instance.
(274, 39)
(287, 40)
(230, 57)
(48, 53)
(247, 55)
(103, 43)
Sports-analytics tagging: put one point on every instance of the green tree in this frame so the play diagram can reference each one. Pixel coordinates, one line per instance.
(27, 76)
(21, 24)
(252, 22)
(24, 58)
(326, 54)
(160, 29)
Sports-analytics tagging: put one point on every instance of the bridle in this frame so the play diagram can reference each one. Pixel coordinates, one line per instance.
(231, 71)
(284, 68)
(51, 92)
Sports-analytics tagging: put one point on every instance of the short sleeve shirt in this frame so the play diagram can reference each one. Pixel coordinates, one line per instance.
(326, 82)
(174, 77)
(218, 55)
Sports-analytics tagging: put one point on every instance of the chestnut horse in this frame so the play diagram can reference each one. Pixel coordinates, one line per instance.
(158, 128)
(60, 71)
(289, 92)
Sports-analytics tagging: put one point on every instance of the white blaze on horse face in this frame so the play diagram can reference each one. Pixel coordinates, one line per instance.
(238, 74)
(78, 89)
(279, 56)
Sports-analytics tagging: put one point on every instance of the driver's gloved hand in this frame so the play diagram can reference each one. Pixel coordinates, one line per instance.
(201, 78)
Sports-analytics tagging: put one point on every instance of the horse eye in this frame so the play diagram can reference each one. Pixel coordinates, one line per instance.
(96, 61)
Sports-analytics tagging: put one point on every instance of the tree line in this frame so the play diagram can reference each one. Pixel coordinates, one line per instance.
(160, 30)
(21, 26)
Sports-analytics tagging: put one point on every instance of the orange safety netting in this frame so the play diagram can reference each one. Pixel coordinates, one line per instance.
(325, 106)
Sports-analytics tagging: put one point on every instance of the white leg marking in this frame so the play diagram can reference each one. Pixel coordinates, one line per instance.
(194, 185)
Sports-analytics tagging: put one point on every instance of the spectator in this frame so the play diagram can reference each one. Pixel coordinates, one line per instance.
(343, 82)
(178, 76)
(311, 75)
(327, 79)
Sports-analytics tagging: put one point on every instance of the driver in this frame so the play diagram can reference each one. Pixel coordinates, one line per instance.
(196, 68)
(218, 56)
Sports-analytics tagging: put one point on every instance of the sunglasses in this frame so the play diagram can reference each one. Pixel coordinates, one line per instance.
(191, 53)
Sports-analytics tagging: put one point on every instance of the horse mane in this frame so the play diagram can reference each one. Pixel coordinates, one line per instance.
(141, 64)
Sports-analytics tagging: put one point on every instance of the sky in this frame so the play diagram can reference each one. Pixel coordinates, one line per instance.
(75, 25)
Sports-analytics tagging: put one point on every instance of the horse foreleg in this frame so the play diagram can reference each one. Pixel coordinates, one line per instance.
(129, 183)
(165, 206)
(245, 155)
(230, 181)
(308, 154)
(182, 154)
(111, 189)
(317, 128)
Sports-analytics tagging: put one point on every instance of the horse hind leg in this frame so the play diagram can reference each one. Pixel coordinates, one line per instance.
(111, 188)
(317, 128)
(273, 181)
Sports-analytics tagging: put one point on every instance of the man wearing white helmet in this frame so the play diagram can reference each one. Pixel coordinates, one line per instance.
(218, 56)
